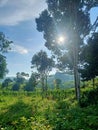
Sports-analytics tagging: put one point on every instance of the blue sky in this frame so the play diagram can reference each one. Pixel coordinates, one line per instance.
(17, 21)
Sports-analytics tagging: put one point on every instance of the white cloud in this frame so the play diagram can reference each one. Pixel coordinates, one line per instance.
(3, 2)
(18, 49)
(14, 11)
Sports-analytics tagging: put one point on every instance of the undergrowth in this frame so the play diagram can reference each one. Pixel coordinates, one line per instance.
(58, 111)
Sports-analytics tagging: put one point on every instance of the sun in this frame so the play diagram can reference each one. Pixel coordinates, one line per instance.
(61, 40)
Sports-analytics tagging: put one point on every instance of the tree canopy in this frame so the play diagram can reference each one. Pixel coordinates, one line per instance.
(4, 43)
(32, 82)
(89, 55)
(3, 69)
(70, 19)
(4, 47)
(43, 64)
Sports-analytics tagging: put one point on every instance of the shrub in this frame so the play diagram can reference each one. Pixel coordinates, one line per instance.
(15, 87)
(89, 98)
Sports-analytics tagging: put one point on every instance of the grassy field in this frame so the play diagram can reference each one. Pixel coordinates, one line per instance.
(59, 111)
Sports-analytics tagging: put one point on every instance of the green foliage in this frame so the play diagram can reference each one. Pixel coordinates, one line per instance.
(28, 87)
(20, 78)
(63, 18)
(3, 65)
(43, 64)
(19, 81)
(90, 58)
(4, 47)
(4, 43)
(57, 83)
(57, 94)
(89, 98)
(6, 82)
(16, 87)
(32, 83)
(64, 116)
(59, 111)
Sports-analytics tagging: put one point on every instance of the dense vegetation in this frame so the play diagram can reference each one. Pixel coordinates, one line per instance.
(58, 111)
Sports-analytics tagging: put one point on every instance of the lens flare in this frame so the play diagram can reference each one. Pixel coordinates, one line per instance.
(60, 40)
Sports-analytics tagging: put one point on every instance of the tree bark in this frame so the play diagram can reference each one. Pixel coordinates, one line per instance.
(76, 73)
(75, 43)
(77, 83)
(43, 85)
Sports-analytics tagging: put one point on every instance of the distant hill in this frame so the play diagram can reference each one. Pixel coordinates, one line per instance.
(67, 79)
(1, 80)
(63, 76)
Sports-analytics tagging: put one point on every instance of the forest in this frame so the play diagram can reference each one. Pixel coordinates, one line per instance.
(68, 99)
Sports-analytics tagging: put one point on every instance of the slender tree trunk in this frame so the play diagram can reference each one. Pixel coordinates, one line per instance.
(43, 85)
(75, 43)
(76, 73)
(77, 83)
(46, 84)
(46, 87)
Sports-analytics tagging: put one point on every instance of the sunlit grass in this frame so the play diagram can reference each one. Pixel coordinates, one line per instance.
(59, 110)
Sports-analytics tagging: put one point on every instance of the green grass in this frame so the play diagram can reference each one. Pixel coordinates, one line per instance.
(59, 111)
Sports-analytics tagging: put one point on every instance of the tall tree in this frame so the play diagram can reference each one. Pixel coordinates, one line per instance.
(44, 65)
(57, 83)
(69, 18)
(89, 58)
(24, 74)
(3, 65)
(21, 77)
(4, 47)
(6, 82)
(33, 81)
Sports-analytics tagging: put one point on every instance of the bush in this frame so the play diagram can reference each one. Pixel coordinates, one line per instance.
(89, 98)
(16, 87)
(28, 87)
